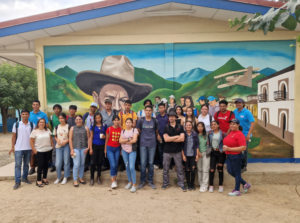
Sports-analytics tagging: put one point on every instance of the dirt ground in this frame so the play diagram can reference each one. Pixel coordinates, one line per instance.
(64, 203)
(5, 146)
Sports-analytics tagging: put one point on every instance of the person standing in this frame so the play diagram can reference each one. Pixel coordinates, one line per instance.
(223, 116)
(180, 115)
(163, 120)
(54, 121)
(190, 117)
(247, 122)
(42, 145)
(97, 143)
(142, 113)
(234, 144)
(61, 134)
(148, 129)
(205, 117)
(79, 145)
(71, 122)
(217, 155)
(128, 141)
(203, 163)
(174, 137)
(112, 149)
(21, 147)
(34, 116)
(190, 154)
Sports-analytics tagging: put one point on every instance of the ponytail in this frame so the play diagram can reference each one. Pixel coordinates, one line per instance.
(241, 128)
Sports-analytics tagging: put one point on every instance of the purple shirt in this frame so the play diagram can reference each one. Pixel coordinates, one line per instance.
(163, 121)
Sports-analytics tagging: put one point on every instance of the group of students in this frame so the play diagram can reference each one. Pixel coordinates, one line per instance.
(196, 144)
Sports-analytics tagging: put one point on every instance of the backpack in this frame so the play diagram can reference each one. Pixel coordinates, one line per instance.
(122, 112)
(231, 113)
(17, 126)
(141, 113)
(56, 127)
(153, 119)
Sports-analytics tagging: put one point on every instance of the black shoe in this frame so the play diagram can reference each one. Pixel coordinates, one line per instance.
(243, 170)
(183, 189)
(137, 168)
(171, 168)
(193, 187)
(98, 181)
(122, 168)
(190, 188)
(39, 185)
(26, 181)
(53, 169)
(17, 185)
(160, 167)
(83, 182)
(164, 187)
(86, 168)
(31, 171)
(91, 182)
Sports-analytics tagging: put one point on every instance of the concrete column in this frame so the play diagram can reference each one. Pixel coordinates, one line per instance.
(40, 70)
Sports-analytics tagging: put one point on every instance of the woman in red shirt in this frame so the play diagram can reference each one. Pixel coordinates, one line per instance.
(113, 149)
(234, 144)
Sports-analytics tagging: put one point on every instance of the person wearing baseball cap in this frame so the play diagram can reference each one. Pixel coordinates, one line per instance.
(233, 145)
(247, 122)
(172, 103)
(213, 105)
(201, 100)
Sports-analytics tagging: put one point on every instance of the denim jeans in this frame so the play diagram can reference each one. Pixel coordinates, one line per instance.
(113, 155)
(26, 156)
(161, 151)
(79, 160)
(147, 155)
(129, 160)
(245, 156)
(63, 156)
(234, 169)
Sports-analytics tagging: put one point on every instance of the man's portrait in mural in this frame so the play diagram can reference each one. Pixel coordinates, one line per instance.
(213, 105)
(115, 81)
(201, 100)
(182, 99)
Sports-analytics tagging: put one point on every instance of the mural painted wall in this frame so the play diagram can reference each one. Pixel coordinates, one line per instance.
(195, 73)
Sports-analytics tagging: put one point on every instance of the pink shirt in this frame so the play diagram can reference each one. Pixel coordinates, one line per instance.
(128, 134)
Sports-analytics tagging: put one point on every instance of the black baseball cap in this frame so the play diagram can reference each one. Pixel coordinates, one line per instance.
(235, 121)
(239, 100)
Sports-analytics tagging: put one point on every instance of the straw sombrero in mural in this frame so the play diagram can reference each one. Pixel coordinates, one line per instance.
(114, 70)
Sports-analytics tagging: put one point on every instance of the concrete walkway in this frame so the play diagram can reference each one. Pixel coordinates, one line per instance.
(258, 173)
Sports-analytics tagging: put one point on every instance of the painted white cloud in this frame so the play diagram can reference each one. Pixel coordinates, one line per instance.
(13, 9)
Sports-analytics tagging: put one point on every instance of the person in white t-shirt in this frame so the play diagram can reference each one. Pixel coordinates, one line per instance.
(141, 113)
(21, 147)
(205, 117)
(42, 144)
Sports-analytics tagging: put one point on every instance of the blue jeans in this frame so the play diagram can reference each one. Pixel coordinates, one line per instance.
(79, 160)
(63, 156)
(113, 155)
(26, 156)
(234, 163)
(245, 156)
(129, 160)
(147, 154)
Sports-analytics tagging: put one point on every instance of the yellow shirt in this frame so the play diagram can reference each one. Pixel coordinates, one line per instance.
(124, 116)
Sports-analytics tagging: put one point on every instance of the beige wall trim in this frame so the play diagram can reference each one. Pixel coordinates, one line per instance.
(40, 71)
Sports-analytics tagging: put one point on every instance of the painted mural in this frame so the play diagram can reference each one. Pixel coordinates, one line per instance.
(194, 73)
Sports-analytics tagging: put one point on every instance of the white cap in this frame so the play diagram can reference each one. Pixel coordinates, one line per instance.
(94, 104)
(172, 96)
(164, 100)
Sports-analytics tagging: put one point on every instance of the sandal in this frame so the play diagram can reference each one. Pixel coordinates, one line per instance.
(45, 182)
(39, 185)
(82, 182)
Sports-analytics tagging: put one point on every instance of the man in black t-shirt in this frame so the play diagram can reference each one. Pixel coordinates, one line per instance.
(174, 137)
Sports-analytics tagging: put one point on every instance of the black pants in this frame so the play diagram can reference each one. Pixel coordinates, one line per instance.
(190, 172)
(96, 160)
(42, 160)
(216, 157)
(87, 160)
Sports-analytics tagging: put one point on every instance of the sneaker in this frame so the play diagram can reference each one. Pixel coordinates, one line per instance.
(142, 184)
(65, 180)
(243, 170)
(234, 193)
(133, 189)
(151, 185)
(193, 187)
(221, 189)
(189, 188)
(164, 187)
(31, 171)
(183, 189)
(155, 167)
(53, 169)
(114, 185)
(17, 185)
(160, 167)
(211, 189)
(57, 181)
(246, 187)
(26, 181)
(128, 186)
(203, 189)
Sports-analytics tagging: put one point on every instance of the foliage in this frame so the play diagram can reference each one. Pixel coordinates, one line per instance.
(255, 141)
(287, 16)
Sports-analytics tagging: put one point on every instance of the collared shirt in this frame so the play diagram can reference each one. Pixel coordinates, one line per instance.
(107, 119)
(245, 117)
(163, 121)
(206, 121)
(213, 110)
(23, 140)
(34, 117)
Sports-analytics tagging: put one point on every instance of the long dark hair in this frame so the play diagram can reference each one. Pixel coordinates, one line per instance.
(204, 130)
(37, 125)
(192, 117)
(216, 122)
(191, 100)
(95, 123)
(64, 116)
(180, 109)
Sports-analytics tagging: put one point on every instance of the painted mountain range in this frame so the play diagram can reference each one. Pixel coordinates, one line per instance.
(267, 71)
(195, 74)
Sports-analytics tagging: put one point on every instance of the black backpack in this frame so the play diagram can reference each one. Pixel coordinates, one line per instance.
(17, 126)
(153, 119)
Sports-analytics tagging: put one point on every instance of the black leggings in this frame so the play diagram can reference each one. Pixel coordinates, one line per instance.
(96, 160)
(190, 172)
(216, 157)
(42, 160)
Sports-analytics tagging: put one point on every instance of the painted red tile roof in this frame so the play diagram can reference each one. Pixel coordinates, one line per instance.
(268, 3)
(62, 12)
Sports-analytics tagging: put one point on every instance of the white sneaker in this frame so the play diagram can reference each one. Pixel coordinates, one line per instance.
(155, 167)
(65, 180)
(57, 181)
(203, 189)
(211, 189)
(221, 189)
(114, 185)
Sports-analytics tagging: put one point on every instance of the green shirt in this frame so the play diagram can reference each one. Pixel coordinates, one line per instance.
(54, 122)
(203, 143)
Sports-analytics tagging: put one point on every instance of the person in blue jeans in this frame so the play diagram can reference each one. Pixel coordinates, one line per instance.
(79, 145)
(61, 134)
(112, 149)
(148, 129)
(247, 122)
(21, 147)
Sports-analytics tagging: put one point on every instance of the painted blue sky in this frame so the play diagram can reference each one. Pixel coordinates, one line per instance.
(158, 58)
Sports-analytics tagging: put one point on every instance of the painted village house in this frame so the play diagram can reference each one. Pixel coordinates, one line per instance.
(138, 49)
